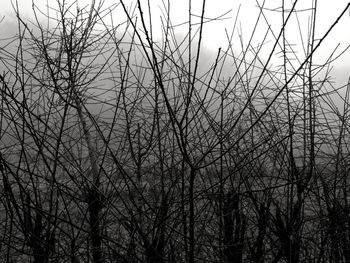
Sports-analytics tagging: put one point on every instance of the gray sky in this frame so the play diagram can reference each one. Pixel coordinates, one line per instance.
(327, 13)
(214, 32)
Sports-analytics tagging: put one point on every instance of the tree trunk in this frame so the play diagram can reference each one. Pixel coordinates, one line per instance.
(95, 206)
(234, 230)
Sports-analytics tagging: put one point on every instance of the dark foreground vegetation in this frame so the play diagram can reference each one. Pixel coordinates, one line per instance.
(119, 146)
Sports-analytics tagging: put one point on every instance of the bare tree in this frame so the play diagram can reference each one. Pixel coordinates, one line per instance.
(120, 146)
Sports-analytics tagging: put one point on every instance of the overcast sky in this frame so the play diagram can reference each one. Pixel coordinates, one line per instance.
(214, 32)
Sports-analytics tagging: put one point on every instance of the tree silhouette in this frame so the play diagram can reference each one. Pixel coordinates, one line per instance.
(121, 146)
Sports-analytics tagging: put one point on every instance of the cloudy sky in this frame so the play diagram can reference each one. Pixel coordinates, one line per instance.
(215, 32)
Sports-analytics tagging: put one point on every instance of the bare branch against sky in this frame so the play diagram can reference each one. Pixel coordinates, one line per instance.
(174, 131)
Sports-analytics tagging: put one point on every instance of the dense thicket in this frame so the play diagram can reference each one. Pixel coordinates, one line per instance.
(120, 147)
